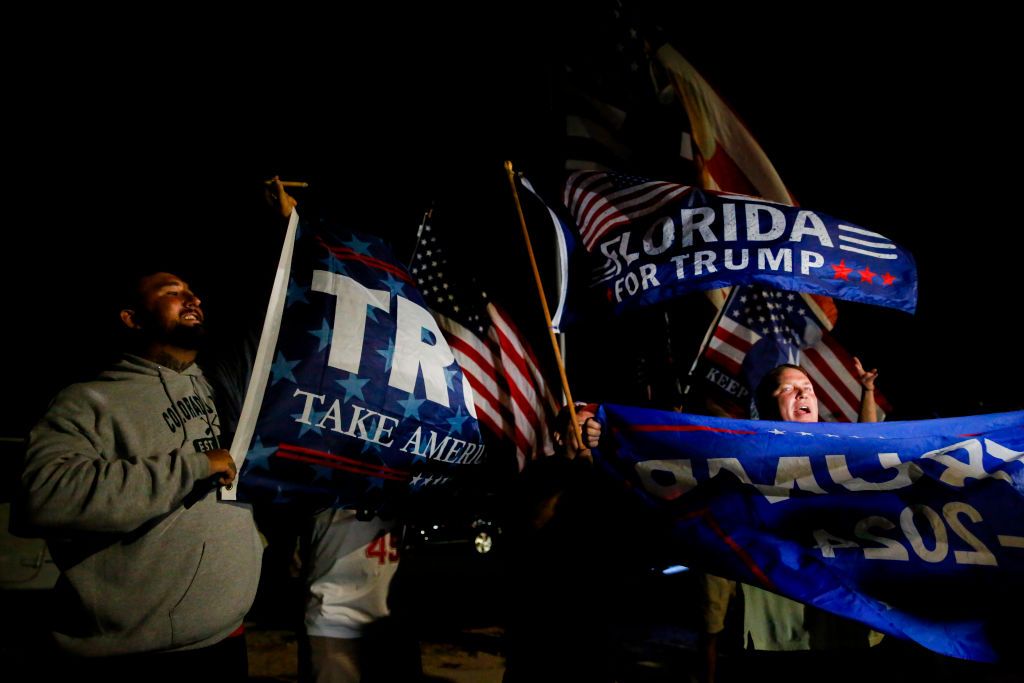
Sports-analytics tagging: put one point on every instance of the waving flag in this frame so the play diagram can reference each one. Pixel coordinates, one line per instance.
(355, 396)
(732, 160)
(653, 240)
(761, 328)
(512, 398)
(913, 528)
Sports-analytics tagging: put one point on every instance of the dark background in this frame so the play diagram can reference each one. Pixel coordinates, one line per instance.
(152, 140)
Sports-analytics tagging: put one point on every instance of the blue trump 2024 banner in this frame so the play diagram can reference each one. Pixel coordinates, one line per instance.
(913, 528)
(653, 240)
(355, 396)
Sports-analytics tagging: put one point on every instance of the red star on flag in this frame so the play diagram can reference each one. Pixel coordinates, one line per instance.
(866, 275)
(887, 280)
(842, 270)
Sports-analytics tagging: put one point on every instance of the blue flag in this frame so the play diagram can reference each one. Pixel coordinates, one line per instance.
(913, 528)
(356, 396)
(653, 240)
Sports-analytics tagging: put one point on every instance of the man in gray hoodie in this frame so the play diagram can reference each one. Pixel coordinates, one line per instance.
(120, 477)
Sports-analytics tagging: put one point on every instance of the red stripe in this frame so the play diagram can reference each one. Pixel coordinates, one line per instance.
(733, 340)
(837, 383)
(347, 254)
(744, 556)
(340, 466)
(522, 403)
(843, 391)
(485, 363)
(338, 458)
(720, 358)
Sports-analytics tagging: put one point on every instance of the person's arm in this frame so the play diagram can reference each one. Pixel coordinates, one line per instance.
(868, 408)
(71, 481)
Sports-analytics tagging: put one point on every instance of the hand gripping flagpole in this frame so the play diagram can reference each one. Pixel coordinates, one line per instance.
(577, 434)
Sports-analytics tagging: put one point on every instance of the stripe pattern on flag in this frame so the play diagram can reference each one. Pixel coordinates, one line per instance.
(602, 202)
(510, 395)
(777, 327)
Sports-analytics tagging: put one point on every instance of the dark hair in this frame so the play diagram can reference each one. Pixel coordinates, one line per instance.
(764, 399)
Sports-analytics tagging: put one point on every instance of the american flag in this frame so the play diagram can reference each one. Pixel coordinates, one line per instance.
(512, 398)
(602, 202)
(761, 328)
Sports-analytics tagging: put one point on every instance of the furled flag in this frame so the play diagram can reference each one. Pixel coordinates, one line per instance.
(512, 398)
(914, 528)
(355, 397)
(761, 328)
(566, 256)
(653, 240)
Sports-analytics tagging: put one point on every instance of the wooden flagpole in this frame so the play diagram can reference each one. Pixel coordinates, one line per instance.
(544, 305)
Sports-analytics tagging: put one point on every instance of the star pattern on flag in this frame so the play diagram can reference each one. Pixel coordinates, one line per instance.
(842, 271)
(333, 264)
(323, 334)
(457, 421)
(314, 421)
(259, 455)
(411, 406)
(353, 388)
(357, 245)
(296, 294)
(778, 432)
(393, 284)
(388, 354)
(283, 369)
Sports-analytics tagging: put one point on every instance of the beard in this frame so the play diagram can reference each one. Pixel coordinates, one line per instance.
(190, 337)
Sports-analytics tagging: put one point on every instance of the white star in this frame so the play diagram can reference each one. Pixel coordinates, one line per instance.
(805, 433)
(833, 436)
(776, 431)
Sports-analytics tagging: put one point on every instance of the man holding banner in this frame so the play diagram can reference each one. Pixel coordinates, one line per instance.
(121, 478)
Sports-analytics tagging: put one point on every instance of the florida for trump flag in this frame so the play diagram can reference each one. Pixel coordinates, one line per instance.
(913, 528)
(356, 397)
(652, 240)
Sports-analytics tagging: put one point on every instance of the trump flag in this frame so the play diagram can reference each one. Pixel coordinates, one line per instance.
(913, 528)
(355, 397)
(652, 240)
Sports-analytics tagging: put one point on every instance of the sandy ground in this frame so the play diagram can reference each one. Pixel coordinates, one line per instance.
(472, 657)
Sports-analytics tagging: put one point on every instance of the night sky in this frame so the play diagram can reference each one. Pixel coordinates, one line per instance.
(129, 145)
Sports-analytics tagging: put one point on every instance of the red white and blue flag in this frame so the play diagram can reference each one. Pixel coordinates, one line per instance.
(653, 240)
(511, 395)
(914, 528)
(761, 328)
(356, 397)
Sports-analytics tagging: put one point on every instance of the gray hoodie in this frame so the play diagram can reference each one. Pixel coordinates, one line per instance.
(148, 561)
